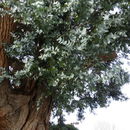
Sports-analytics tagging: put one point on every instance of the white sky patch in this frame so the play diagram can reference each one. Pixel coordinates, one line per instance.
(115, 117)
(115, 10)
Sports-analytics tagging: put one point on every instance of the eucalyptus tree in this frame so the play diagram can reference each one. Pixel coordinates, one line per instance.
(60, 55)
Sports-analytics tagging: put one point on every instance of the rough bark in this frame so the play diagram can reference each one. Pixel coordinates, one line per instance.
(18, 111)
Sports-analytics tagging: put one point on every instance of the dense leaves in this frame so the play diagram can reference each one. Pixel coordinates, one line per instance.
(69, 45)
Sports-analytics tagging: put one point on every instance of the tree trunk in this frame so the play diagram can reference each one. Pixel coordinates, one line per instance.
(19, 111)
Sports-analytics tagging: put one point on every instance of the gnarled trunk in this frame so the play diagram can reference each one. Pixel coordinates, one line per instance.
(19, 111)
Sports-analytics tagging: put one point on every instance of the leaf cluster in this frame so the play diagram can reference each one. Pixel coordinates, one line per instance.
(63, 46)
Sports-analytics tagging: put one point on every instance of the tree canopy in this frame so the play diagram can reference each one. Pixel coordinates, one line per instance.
(73, 47)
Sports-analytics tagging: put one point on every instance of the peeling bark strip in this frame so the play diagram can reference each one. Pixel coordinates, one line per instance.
(18, 111)
(6, 27)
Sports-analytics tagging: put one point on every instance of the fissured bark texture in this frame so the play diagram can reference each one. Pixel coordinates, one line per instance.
(19, 111)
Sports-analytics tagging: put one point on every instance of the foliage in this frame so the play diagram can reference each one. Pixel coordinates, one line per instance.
(64, 127)
(61, 125)
(61, 42)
